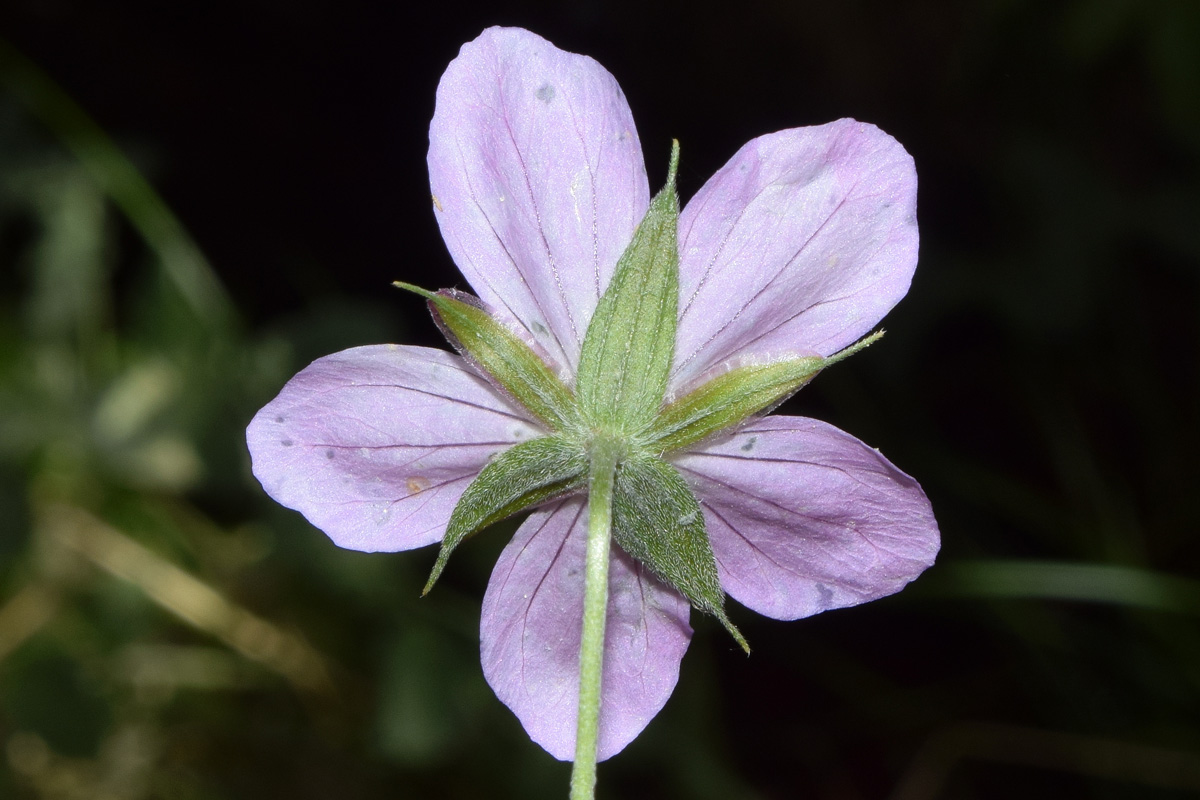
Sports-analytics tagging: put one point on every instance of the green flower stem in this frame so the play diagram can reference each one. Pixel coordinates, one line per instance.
(604, 456)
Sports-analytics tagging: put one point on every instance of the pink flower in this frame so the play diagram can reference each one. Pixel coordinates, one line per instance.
(795, 248)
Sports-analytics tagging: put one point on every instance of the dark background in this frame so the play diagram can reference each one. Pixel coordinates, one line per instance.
(1041, 381)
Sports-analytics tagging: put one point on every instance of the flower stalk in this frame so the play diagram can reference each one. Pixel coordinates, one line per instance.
(604, 455)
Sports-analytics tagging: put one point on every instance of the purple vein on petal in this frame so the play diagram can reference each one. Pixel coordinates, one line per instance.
(458, 401)
(762, 290)
(753, 545)
(483, 274)
(537, 589)
(769, 460)
(587, 160)
(404, 445)
(537, 215)
(642, 577)
(434, 447)
(865, 289)
(766, 557)
(721, 249)
(428, 493)
(843, 525)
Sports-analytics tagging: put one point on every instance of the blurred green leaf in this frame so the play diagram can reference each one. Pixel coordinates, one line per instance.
(430, 696)
(111, 170)
(1095, 583)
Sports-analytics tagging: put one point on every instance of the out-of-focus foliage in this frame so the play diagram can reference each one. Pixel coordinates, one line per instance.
(168, 632)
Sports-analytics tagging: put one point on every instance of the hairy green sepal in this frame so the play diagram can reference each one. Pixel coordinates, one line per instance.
(522, 476)
(657, 520)
(496, 350)
(736, 395)
(626, 354)
(728, 399)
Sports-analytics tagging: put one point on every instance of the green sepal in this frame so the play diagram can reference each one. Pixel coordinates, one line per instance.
(657, 520)
(728, 399)
(626, 354)
(735, 395)
(510, 362)
(522, 476)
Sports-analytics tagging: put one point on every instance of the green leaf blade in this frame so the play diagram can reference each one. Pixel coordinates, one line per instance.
(626, 356)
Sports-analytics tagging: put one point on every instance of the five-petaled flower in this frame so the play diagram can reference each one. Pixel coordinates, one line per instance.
(793, 251)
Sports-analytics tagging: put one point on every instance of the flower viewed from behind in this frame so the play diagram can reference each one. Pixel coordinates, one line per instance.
(610, 322)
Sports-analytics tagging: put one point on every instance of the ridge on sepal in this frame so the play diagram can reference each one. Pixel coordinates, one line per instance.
(736, 395)
(523, 476)
(627, 352)
(500, 355)
(658, 521)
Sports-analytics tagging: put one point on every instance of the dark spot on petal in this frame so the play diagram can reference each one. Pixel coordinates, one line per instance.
(826, 595)
(329, 454)
(546, 93)
(281, 418)
(287, 443)
(538, 327)
(749, 445)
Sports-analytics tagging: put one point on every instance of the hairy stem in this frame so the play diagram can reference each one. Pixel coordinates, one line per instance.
(604, 457)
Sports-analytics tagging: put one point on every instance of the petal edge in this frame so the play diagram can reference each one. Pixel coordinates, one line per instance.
(802, 242)
(804, 518)
(374, 445)
(538, 180)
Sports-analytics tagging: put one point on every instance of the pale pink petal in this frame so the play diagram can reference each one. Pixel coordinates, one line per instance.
(531, 628)
(375, 444)
(804, 518)
(538, 180)
(802, 242)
